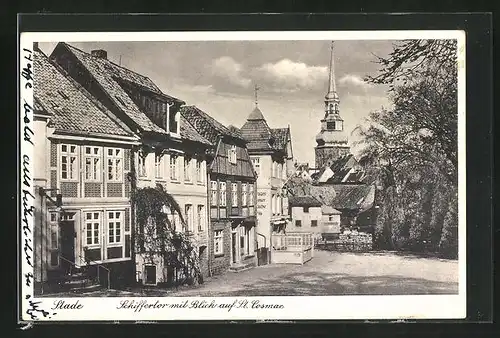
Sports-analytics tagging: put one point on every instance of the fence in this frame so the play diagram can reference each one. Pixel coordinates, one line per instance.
(292, 248)
(349, 241)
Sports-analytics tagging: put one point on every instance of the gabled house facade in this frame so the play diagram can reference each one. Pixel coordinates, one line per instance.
(82, 153)
(272, 157)
(232, 194)
(170, 154)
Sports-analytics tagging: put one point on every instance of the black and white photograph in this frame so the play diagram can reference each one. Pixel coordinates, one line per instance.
(189, 173)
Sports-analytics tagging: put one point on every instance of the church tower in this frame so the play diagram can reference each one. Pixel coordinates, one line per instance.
(332, 139)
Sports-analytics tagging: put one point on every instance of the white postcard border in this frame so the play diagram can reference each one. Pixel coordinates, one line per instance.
(232, 308)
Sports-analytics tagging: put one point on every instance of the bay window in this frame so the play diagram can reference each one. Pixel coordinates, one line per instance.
(251, 195)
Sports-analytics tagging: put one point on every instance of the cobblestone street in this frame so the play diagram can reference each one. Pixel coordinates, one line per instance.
(333, 273)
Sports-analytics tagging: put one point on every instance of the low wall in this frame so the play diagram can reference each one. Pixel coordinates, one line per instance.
(349, 242)
(291, 257)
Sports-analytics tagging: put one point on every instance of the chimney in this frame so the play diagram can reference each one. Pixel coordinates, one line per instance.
(35, 46)
(99, 53)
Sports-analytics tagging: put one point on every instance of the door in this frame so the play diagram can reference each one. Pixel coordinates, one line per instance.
(234, 244)
(68, 234)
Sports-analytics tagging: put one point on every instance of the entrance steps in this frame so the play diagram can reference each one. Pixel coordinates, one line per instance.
(78, 281)
(239, 267)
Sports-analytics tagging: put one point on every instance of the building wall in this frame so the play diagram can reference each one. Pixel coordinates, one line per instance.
(306, 219)
(187, 190)
(269, 188)
(326, 155)
(219, 263)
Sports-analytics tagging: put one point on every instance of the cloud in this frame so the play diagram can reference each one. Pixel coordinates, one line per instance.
(354, 80)
(289, 76)
(227, 68)
(200, 89)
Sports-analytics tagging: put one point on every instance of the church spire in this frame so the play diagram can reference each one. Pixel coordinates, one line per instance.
(332, 98)
(256, 89)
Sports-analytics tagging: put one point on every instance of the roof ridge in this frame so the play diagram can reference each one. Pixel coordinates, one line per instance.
(116, 65)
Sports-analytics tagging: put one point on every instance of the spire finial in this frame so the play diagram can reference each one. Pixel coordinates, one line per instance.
(256, 89)
(332, 88)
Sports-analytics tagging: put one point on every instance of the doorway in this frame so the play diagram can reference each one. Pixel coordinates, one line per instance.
(68, 234)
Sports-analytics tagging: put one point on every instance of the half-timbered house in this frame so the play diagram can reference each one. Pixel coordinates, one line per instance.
(171, 153)
(83, 209)
(232, 194)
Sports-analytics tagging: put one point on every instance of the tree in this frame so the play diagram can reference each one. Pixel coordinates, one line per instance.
(157, 237)
(415, 142)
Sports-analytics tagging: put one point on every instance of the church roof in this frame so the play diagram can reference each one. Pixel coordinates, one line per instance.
(256, 114)
(303, 201)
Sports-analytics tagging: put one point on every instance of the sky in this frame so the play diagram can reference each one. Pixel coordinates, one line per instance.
(219, 77)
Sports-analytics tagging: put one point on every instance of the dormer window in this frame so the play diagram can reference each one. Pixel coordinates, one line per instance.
(173, 124)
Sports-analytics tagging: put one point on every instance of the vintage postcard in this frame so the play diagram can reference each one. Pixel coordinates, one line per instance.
(300, 175)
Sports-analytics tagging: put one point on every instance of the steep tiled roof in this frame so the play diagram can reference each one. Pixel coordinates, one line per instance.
(108, 74)
(303, 201)
(189, 133)
(257, 133)
(329, 210)
(206, 125)
(72, 108)
(345, 196)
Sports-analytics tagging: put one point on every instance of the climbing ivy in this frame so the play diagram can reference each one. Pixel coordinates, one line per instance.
(157, 235)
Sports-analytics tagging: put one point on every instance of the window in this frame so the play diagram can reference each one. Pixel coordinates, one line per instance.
(158, 166)
(244, 194)
(306, 209)
(92, 227)
(222, 194)
(330, 125)
(273, 204)
(280, 170)
(187, 169)
(218, 242)
(189, 217)
(54, 234)
(115, 164)
(213, 192)
(251, 195)
(200, 222)
(314, 223)
(278, 205)
(141, 165)
(115, 221)
(92, 163)
(173, 126)
(231, 154)
(199, 171)
(298, 223)
(173, 167)
(234, 195)
(273, 169)
(69, 163)
(256, 164)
